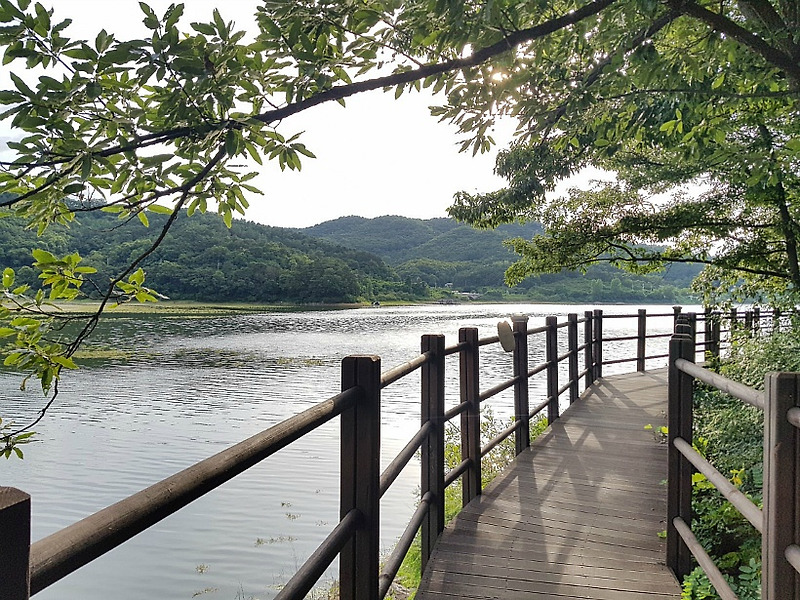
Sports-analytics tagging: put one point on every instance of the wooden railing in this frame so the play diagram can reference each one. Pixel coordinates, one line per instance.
(26, 569)
(779, 519)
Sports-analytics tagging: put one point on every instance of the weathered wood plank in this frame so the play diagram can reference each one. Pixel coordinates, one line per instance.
(576, 516)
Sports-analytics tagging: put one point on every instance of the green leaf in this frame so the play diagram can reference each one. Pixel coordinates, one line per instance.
(8, 277)
(86, 166)
(65, 362)
(159, 209)
(232, 142)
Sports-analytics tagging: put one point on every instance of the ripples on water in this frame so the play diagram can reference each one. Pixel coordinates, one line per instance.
(198, 385)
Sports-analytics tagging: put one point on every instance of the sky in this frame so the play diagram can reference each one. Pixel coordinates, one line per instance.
(377, 156)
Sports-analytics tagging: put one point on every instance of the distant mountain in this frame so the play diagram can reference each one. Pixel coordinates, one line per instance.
(399, 239)
(201, 259)
(443, 253)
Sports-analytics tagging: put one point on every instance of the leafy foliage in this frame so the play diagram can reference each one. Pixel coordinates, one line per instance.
(697, 104)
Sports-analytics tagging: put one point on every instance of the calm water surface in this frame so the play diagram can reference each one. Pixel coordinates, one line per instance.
(201, 384)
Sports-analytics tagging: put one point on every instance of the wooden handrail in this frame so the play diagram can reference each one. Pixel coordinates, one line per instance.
(779, 518)
(65, 551)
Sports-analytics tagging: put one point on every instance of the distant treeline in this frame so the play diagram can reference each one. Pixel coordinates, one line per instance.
(439, 252)
(346, 260)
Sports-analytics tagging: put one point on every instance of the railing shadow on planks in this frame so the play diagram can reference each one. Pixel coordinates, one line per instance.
(26, 569)
(779, 519)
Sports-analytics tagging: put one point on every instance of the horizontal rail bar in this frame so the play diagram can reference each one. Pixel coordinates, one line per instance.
(457, 472)
(564, 356)
(562, 325)
(401, 460)
(304, 580)
(535, 330)
(737, 390)
(487, 341)
(704, 560)
(564, 388)
(653, 356)
(653, 336)
(581, 348)
(617, 361)
(493, 391)
(537, 369)
(455, 348)
(741, 502)
(538, 408)
(793, 416)
(407, 368)
(394, 561)
(622, 338)
(792, 554)
(624, 316)
(492, 443)
(65, 551)
(455, 411)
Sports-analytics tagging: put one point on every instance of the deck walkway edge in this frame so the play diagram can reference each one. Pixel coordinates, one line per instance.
(575, 516)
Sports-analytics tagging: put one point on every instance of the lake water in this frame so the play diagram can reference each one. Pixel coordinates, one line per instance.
(200, 384)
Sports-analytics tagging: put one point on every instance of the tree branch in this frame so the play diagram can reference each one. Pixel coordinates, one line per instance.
(724, 25)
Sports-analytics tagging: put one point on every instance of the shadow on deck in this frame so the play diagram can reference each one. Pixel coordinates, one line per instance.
(577, 515)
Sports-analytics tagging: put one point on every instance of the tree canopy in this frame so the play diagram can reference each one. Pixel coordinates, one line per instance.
(694, 107)
(663, 92)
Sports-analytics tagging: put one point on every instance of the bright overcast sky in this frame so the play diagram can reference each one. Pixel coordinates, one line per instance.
(375, 157)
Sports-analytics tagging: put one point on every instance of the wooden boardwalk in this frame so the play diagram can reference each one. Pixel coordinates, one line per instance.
(576, 516)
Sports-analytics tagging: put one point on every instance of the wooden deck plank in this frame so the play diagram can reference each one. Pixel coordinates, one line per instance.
(576, 516)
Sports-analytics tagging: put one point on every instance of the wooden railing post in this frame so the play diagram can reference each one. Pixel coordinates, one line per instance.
(471, 417)
(598, 344)
(679, 476)
(522, 437)
(572, 344)
(756, 319)
(691, 319)
(676, 313)
(781, 511)
(15, 544)
(551, 356)
(432, 451)
(734, 320)
(776, 319)
(641, 339)
(711, 334)
(359, 560)
(748, 321)
(588, 350)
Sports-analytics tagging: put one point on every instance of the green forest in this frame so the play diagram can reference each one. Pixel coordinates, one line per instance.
(351, 259)
(438, 252)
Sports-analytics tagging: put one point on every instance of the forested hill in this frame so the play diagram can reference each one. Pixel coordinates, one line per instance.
(201, 259)
(443, 253)
(399, 239)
